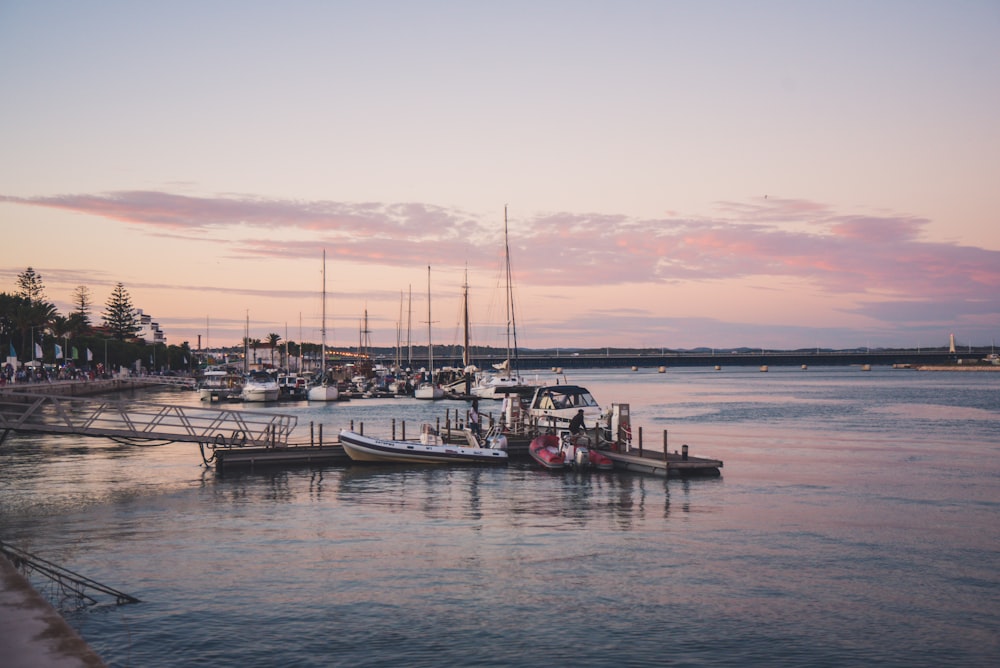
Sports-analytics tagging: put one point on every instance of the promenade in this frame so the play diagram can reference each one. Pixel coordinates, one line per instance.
(33, 633)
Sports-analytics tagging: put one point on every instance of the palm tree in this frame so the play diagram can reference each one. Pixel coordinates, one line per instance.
(29, 316)
(272, 340)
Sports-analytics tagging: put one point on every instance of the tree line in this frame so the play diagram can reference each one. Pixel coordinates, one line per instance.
(32, 328)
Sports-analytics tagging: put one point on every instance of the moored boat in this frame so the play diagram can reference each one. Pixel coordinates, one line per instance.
(325, 389)
(545, 450)
(428, 450)
(562, 452)
(260, 386)
(219, 384)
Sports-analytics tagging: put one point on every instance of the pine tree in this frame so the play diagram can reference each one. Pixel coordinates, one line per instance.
(120, 316)
(31, 286)
(83, 303)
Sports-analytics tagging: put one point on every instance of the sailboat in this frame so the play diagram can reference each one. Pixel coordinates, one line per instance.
(498, 386)
(324, 390)
(428, 389)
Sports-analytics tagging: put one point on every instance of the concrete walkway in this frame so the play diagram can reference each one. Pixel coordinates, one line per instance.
(32, 633)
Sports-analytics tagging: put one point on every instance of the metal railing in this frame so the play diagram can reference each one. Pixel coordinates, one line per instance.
(139, 421)
(67, 584)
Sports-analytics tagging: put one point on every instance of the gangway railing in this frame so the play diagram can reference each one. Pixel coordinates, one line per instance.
(66, 582)
(174, 381)
(140, 421)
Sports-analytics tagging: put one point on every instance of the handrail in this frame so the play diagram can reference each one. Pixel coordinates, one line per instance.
(139, 420)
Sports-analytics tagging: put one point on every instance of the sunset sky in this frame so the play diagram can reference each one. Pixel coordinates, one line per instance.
(677, 174)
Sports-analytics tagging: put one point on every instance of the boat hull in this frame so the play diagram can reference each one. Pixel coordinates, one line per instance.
(323, 393)
(428, 392)
(549, 451)
(362, 448)
(260, 393)
(546, 451)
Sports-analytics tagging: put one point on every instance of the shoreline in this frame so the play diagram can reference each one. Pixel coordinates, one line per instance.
(958, 367)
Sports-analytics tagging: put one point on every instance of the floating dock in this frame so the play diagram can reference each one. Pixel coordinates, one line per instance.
(671, 465)
(650, 462)
(293, 455)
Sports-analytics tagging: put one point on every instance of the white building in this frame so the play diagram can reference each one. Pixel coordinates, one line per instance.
(149, 331)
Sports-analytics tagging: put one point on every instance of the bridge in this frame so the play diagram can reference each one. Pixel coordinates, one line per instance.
(624, 359)
(141, 422)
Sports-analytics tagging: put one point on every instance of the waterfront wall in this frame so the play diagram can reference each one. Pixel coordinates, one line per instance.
(75, 388)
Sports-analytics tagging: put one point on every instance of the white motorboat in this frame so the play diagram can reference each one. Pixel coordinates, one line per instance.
(260, 386)
(428, 450)
(553, 407)
(219, 384)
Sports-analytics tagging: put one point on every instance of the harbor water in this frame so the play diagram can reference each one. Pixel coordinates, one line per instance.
(856, 522)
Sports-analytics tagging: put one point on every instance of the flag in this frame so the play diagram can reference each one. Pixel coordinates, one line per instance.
(76, 353)
(13, 353)
(38, 350)
(90, 355)
(58, 352)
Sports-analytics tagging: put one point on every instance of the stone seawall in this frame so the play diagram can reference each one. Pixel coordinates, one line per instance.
(74, 388)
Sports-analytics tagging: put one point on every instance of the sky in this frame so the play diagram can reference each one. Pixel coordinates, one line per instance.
(773, 174)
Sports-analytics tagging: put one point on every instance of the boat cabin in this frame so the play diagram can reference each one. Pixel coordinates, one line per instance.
(555, 405)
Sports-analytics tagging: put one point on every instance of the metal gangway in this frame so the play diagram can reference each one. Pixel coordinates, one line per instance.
(131, 421)
(66, 584)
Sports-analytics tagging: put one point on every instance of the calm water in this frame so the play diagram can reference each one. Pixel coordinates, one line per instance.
(857, 522)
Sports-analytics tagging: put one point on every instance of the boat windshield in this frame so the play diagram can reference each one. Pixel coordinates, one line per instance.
(557, 400)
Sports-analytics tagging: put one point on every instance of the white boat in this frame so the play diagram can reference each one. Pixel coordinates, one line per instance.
(325, 389)
(219, 384)
(428, 450)
(291, 386)
(260, 386)
(428, 389)
(553, 407)
(507, 377)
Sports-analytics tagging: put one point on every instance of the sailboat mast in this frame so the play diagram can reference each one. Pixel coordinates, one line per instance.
(465, 317)
(409, 327)
(322, 329)
(511, 325)
(246, 345)
(430, 344)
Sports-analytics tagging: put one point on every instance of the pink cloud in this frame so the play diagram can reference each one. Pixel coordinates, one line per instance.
(834, 251)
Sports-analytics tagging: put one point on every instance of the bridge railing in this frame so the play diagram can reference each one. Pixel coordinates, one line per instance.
(143, 421)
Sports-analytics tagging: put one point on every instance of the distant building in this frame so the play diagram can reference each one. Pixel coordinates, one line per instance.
(149, 331)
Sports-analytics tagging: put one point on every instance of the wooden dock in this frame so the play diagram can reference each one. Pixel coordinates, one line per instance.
(649, 462)
(672, 465)
(227, 458)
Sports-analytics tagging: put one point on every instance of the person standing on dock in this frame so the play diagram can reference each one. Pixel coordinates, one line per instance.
(576, 424)
(474, 419)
